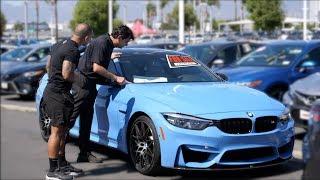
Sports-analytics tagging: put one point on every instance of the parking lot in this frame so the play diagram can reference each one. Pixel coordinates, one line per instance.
(24, 151)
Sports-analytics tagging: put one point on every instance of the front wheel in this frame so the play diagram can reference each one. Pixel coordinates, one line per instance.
(144, 148)
(44, 123)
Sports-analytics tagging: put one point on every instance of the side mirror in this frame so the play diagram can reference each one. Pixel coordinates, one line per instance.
(305, 66)
(32, 59)
(222, 76)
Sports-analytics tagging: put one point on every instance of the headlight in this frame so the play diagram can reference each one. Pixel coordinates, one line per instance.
(285, 116)
(33, 73)
(251, 84)
(187, 121)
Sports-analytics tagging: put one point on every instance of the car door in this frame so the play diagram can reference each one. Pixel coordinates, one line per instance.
(309, 64)
(105, 121)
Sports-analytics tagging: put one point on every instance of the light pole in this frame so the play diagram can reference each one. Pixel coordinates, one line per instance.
(305, 19)
(26, 19)
(181, 21)
(110, 16)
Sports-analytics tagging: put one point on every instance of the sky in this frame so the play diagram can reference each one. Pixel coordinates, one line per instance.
(129, 9)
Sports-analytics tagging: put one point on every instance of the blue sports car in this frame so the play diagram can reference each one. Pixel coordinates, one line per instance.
(273, 67)
(176, 113)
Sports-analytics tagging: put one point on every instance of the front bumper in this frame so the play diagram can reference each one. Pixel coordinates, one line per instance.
(214, 149)
(19, 87)
(296, 110)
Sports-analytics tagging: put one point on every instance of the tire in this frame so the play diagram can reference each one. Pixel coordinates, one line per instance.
(144, 147)
(27, 96)
(44, 124)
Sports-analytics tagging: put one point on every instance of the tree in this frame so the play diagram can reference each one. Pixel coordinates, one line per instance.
(151, 13)
(266, 14)
(18, 26)
(116, 23)
(190, 16)
(94, 13)
(3, 23)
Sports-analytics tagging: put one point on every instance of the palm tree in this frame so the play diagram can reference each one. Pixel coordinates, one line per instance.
(151, 9)
(54, 4)
(163, 4)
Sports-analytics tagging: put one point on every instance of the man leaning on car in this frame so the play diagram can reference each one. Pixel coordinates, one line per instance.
(93, 67)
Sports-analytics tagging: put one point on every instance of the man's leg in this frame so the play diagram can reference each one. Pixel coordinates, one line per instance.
(53, 152)
(86, 115)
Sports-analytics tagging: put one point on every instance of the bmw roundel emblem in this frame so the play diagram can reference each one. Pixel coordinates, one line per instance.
(250, 114)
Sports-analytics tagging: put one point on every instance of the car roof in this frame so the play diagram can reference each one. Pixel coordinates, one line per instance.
(34, 46)
(219, 42)
(153, 44)
(147, 51)
(292, 42)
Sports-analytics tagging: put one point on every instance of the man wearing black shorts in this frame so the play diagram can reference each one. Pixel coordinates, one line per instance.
(93, 67)
(58, 102)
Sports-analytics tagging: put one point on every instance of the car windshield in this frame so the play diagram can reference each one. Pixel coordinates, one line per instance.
(203, 53)
(15, 54)
(160, 69)
(276, 55)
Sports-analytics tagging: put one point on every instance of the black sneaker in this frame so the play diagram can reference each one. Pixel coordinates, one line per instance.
(70, 170)
(58, 175)
(88, 157)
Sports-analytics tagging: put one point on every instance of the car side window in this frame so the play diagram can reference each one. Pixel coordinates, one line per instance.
(229, 54)
(41, 53)
(312, 58)
(112, 68)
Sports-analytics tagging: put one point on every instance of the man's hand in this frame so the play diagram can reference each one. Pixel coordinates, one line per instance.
(120, 80)
(115, 55)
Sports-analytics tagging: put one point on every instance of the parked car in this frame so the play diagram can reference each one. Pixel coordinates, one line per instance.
(22, 78)
(6, 47)
(160, 45)
(219, 53)
(311, 144)
(30, 53)
(273, 67)
(301, 95)
(178, 114)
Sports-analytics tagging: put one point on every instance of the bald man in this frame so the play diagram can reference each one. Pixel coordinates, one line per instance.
(58, 102)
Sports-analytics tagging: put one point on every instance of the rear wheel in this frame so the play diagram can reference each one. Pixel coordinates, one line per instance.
(44, 123)
(144, 148)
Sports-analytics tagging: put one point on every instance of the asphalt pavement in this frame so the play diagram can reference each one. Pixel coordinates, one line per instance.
(24, 153)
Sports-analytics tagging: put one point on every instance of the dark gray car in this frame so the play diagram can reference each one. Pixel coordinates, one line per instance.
(300, 97)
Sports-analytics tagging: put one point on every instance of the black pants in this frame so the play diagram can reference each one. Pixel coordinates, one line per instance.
(84, 94)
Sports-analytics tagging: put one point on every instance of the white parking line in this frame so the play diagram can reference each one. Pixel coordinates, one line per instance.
(18, 108)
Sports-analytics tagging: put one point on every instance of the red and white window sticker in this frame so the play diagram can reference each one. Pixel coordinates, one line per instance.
(176, 61)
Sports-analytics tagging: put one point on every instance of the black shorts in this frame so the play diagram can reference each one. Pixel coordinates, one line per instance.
(58, 107)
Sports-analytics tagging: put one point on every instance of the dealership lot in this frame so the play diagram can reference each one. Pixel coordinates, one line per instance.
(24, 153)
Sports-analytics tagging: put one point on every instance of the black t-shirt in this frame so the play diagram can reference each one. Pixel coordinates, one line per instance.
(64, 50)
(98, 51)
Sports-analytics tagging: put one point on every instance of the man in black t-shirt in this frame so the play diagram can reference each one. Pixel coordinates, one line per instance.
(93, 67)
(57, 101)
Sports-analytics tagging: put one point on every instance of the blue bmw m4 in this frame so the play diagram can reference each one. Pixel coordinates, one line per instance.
(178, 114)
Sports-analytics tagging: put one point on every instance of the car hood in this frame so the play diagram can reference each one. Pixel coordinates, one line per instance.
(203, 98)
(309, 85)
(16, 67)
(244, 73)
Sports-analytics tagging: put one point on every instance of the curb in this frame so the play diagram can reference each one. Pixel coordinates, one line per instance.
(18, 108)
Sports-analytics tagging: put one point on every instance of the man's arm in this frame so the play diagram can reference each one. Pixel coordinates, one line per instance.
(68, 73)
(107, 74)
(48, 64)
